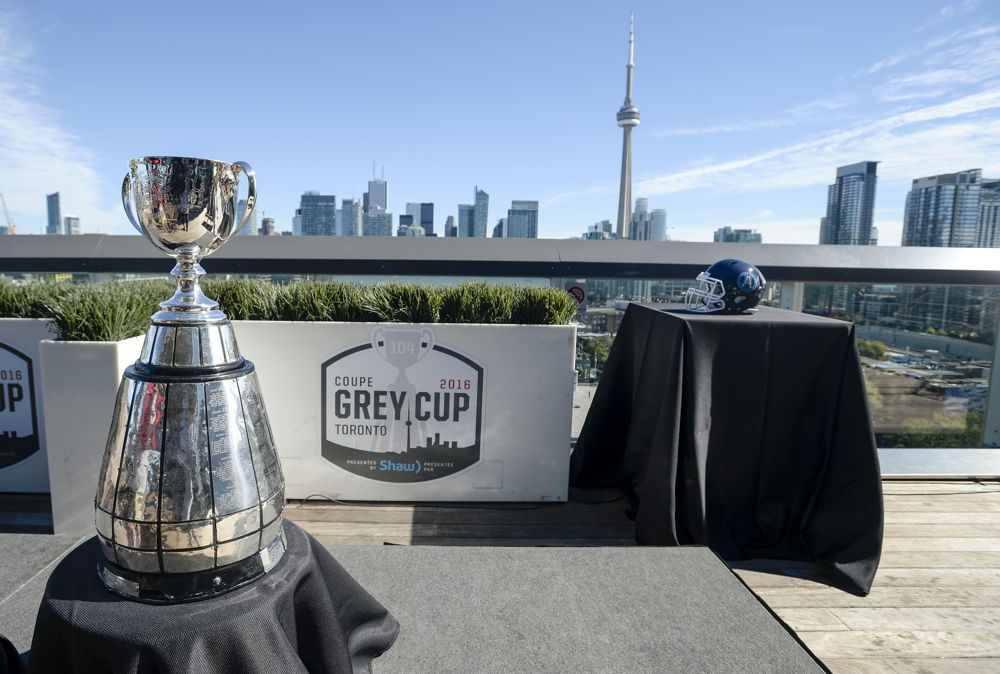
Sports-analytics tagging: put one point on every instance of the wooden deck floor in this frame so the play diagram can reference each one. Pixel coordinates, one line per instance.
(934, 607)
(935, 603)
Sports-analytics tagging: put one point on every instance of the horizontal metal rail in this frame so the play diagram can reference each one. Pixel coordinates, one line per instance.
(535, 258)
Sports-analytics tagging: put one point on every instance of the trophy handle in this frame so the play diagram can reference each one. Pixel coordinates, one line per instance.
(427, 340)
(251, 196)
(378, 340)
(126, 202)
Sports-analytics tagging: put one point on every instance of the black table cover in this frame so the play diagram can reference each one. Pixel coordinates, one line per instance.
(306, 615)
(748, 433)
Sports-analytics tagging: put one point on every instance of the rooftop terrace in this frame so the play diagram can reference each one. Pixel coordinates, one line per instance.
(935, 604)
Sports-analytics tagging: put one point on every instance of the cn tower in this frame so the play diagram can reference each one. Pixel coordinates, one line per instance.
(628, 116)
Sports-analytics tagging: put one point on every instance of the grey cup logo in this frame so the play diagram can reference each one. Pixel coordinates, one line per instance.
(18, 420)
(402, 407)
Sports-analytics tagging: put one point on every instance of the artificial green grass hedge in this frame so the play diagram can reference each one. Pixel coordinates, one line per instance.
(121, 309)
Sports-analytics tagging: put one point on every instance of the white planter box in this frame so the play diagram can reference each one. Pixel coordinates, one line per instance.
(23, 465)
(79, 381)
(489, 406)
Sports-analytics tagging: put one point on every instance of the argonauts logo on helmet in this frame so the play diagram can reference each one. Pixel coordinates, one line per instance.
(731, 286)
(747, 281)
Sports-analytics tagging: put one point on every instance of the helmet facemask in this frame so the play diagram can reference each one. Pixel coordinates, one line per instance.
(707, 297)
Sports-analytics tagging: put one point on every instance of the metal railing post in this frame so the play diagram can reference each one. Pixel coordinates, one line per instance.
(991, 421)
(792, 293)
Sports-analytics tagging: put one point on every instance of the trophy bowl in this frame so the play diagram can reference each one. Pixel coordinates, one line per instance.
(186, 207)
(182, 202)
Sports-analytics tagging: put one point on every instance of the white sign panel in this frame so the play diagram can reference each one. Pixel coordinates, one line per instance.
(402, 407)
(425, 412)
(18, 417)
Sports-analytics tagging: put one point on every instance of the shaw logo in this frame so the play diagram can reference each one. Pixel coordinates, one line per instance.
(401, 407)
(18, 420)
(385, 464)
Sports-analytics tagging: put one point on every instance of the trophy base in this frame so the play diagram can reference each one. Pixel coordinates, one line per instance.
(179, 588)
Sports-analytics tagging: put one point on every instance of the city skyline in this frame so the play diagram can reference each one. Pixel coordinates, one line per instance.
(734, 133)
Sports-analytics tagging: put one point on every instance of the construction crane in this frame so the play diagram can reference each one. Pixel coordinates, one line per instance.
(11, 227)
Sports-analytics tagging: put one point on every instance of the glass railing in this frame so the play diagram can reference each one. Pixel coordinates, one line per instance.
(926, 351)
(926, 318)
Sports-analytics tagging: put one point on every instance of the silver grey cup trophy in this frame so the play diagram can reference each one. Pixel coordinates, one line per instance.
(190, 499)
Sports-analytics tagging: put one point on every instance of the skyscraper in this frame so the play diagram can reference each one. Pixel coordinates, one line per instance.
(849, 206)
(640, 226)
(377, 196)
(988, 235)
(481, 202)
(319, 214)
(601, 230)
(426, 219)
(500, 229)
(250, 228)
(267, 227)
(645, 225)
(948, 211)
(466, 220)
(71, 225)
(658, 217)
(730, 235)
(628, 117)
(522, 220)
(350, 217)
(423, 215)
(596, 232)
(850, 203)
(55, 225)
(450, 229)
(376, 222)
(297, 223)
(943, 210)
(412, 210)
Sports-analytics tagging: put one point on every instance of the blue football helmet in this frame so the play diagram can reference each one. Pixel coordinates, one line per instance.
(731, 286)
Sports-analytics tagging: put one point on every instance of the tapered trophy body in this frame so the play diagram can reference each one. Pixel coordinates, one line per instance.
(190, 498)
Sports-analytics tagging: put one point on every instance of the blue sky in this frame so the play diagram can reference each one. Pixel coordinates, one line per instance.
(747, 108)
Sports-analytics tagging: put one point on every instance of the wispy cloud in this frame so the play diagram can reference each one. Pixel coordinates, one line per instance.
(39, 155)
(936, 45)
(907, 143)
(966, 58)
(795, 115)
(571, 195)
(951, 87)
(951, 11)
